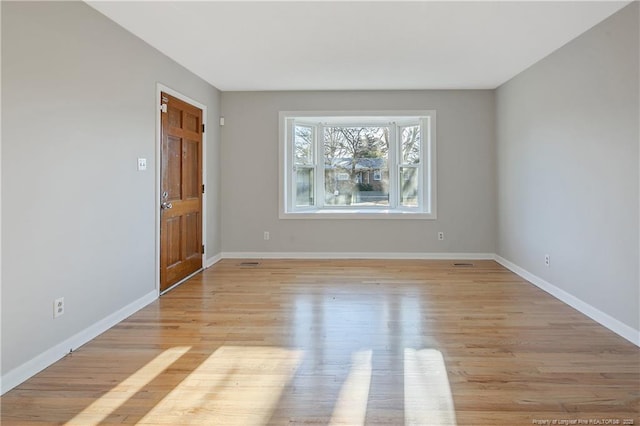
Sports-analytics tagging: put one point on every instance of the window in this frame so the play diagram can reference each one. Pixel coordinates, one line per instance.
(346, 165)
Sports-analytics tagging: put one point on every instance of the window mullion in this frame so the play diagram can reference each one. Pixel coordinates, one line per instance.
(319, 165)
(394, 196)
(421, 166)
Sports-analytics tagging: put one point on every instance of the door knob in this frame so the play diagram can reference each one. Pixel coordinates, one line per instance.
(165, 205)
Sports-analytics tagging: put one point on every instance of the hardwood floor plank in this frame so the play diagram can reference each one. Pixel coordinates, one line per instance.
(343, 342)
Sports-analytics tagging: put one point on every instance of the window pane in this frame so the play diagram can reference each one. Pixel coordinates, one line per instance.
(410, 144)
(409, 186)
(303, 145)
(304, 187)
(356, 166)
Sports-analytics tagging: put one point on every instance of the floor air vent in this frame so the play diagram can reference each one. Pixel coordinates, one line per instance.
(463, 265)
(249, 264)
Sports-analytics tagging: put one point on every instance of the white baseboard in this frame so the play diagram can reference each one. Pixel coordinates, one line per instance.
(30, 368)
(595, 314)
(212, 261)
(355, 255)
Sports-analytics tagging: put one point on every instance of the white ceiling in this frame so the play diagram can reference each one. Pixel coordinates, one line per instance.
(341, 45)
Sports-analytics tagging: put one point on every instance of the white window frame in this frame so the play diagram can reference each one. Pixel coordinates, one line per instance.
(395, 119)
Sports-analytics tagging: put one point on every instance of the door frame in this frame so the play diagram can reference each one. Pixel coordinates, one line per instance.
(159, 89)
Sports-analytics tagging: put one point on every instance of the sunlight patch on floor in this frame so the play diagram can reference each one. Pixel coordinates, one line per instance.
(235, 385)
(351, 406)
(108, 403)
(427, 394)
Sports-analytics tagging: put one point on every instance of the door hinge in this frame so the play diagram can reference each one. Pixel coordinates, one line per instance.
(203, 188)
(203, 249)
(163, 107)
(203, 128)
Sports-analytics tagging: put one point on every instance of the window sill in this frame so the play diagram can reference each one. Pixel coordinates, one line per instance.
(357, 214)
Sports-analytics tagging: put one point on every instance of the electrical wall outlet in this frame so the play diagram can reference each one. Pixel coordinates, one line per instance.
(440, 236)
(547, 260)
(266, 235)
(58, 307)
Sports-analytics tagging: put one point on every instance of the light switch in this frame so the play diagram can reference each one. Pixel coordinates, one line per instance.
(142, 164)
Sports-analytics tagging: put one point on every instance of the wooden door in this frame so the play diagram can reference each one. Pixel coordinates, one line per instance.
(181, 191)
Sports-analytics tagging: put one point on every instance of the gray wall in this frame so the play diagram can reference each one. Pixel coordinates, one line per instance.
(78, 108)
(465, 176)
(568, 167)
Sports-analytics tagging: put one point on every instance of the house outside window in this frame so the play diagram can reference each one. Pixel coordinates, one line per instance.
(354, 165)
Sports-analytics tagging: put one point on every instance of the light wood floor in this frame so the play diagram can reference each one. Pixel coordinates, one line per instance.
(343, 342)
